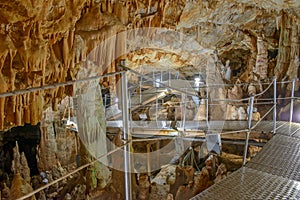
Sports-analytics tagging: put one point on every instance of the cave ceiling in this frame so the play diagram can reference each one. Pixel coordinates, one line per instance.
(45, 42)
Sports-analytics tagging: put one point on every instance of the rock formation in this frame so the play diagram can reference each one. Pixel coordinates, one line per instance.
(45, 42)
(47, 45)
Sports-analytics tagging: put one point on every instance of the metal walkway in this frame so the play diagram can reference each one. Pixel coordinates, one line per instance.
(274, 173)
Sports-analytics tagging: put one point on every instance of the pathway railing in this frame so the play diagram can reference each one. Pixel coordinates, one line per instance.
(126, 103)
(252, 100)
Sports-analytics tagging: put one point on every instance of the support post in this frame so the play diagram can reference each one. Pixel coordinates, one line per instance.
(249, 130)
(126, 136)
(207, 107)
(153, 78)
(184, 111)
(141, 81)
(148, 159)
(169, 78)
(156, 105)
(105, 101)
(275, 104)
(292, 100)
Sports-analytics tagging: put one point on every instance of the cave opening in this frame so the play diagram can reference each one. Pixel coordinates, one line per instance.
(28, 138)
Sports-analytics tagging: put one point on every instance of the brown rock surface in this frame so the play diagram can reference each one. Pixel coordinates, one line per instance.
(45, 42)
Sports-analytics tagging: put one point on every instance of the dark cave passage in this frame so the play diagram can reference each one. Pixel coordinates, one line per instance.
(28, 137)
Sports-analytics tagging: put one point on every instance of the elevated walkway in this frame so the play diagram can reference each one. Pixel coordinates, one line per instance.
(274, 173)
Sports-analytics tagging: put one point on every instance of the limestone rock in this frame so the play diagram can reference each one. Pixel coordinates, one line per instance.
(235, 93)
(256, 116)
(5, 192)
(166, 175)
(158, 192)
(19, 187)
(20, 165)
(242, 115)
(232, 112)
(202, 181)
(143, 187)
(221, 172)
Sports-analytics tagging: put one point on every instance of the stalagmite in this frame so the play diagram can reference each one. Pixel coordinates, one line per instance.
(256, 116)
(251, 90)
(242, 114)
(235, 93)
(227, 75)
(232, 113)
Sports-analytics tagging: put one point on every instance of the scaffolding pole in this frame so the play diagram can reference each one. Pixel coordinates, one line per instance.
(292, 100)
(127, 137)
(275, 104)
(249, 130)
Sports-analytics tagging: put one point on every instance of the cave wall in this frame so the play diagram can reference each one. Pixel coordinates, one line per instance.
(46, 42)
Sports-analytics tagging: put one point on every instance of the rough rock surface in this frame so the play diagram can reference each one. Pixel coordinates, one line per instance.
(45, 42)
(50, 42)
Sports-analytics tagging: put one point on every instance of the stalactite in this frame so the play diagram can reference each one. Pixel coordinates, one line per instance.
(3, 89)
(293, 69)
(18, 112)
(2, 111)
(284, 48)
(36, 107)
(65, 50)
(27, 108)
(261, 66)
(247, 76)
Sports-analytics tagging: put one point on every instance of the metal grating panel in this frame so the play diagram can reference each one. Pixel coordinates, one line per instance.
(265, 126)
(288, 129)
(247, 183)
(274, 173)
(280, 156)
(296, 133)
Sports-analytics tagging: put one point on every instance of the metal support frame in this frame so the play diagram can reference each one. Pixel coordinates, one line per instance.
(156, 105)
(275, 104)
(292, 100)
(249, 130)
(141, 82)
(126, 136)
(184, 111)
(105, 101)
(169, 81)
(153, 78)
(207, 107)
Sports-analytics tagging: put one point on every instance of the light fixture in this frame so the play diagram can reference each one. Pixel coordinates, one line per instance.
(197, 82)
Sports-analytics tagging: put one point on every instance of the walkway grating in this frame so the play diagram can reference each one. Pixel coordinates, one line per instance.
(247, 183)
(274, 173)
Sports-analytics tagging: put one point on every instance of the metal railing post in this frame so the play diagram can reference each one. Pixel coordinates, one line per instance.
(105, 101)
(275, 104)
(130, 113)
(207, 107)
(141, 81)
(169, 78)
(249, 130)
(184, 111)
(153, 78)
(156, 105)
(126, 136)
(292, 100)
